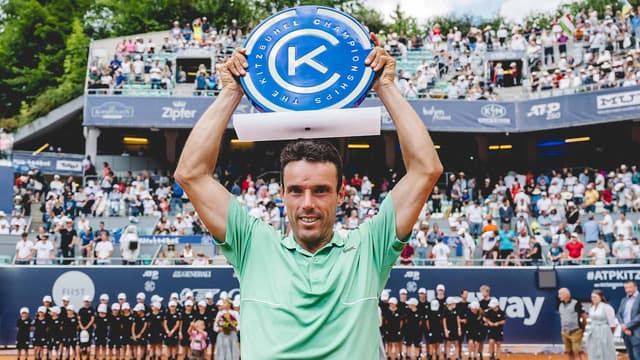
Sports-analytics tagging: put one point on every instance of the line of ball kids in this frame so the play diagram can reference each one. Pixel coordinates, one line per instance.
(123, 331)
(441, 324)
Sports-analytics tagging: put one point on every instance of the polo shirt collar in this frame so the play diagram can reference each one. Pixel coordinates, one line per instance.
(290, 243)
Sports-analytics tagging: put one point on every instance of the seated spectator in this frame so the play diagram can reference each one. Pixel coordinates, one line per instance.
(163, 260)
(171, 253)
(187, 254)
(555, 253)
(5, 226)
(24, 250)
(87, 245)
(200, 260)
(406, 257)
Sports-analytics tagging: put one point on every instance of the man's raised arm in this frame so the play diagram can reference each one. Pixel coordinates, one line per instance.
(198, 160)
(418, 152)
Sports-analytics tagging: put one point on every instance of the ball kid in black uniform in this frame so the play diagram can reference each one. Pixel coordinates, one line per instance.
(453, 328)
(412, 329)
(56, 325)
(172, 330)
(101, 326)
(139, 332)
(495, 319)
(383, 305)
(86, 317)
(115, 331)
(41, 333)
(156, 330)
(70, 332)
(393, 326)
(188, 316)
(127, 325)
(24, 325)
(436, 329)
(475, 330)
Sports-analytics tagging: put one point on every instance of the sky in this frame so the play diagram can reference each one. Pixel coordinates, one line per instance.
(514, 10)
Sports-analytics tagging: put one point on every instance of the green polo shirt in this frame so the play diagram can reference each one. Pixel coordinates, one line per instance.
(298, 305)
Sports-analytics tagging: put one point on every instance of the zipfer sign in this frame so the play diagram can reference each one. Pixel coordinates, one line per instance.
(307, 58)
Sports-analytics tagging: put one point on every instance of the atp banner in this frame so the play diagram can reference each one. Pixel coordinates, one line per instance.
(531, 312)
(610, 105)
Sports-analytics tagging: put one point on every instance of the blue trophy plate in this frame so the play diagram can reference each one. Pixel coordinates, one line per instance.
(308, 58)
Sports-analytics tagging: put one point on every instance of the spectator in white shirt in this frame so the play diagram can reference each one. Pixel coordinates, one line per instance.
(474, 215)
(187, 254)
(441, 253)
(24, 250)
(104, 249)
(544, 203)
(468, 246)
(599, 253)
(83, 224)
(44, 250)
(181, 225)
(624, 226)
(56, 185)
(623, 250)
(5, 227)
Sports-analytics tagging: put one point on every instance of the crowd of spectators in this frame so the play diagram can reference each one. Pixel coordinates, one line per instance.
(580, 215)
(136, 62)
(602, 52)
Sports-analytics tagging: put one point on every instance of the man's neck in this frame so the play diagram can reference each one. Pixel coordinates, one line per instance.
(313, 247)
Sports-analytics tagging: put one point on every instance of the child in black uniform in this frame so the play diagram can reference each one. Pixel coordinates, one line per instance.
(412, 329)
(70, 333)
(139, 331)
(24, 325)
(101, 332)
(475, 330)
(436, 330)
(156, 331)
(56, 325)
(115, 332)
(172, 329)
(188, 316)
(452, 329)
(127, 324)
(393, 335)
(495, 319)
(41, 333)
(203, 314)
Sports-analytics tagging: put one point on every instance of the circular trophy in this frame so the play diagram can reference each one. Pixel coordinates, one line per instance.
(307, 58)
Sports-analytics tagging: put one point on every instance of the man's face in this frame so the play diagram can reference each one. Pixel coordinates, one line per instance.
(630, 288)
(563, 295)
(311, 199)
(464, 295)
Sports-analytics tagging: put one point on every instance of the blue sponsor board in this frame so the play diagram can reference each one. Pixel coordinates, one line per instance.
(171, 239)
(48, 163)
(603, 106)
(6, 187)
(531, 314)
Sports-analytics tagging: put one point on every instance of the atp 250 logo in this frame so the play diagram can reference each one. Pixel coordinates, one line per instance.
(307, 58)
(550, 111)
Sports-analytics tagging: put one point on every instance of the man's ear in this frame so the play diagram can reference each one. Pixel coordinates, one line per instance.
(341, 195)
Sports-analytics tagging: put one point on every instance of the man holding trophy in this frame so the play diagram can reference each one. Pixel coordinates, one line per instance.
(312, 294)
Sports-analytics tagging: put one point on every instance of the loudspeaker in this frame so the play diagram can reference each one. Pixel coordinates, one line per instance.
(547, 279)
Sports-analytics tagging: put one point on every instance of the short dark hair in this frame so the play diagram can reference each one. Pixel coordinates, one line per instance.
(312, 151)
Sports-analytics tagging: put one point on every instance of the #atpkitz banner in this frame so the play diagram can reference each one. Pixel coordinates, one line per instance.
(531, 314)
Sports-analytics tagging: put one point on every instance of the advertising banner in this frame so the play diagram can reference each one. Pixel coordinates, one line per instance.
(531, 312)
(586, 108)
(48, 163)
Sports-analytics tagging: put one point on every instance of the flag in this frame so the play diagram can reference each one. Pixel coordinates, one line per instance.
(566, 23)
(626, 7)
